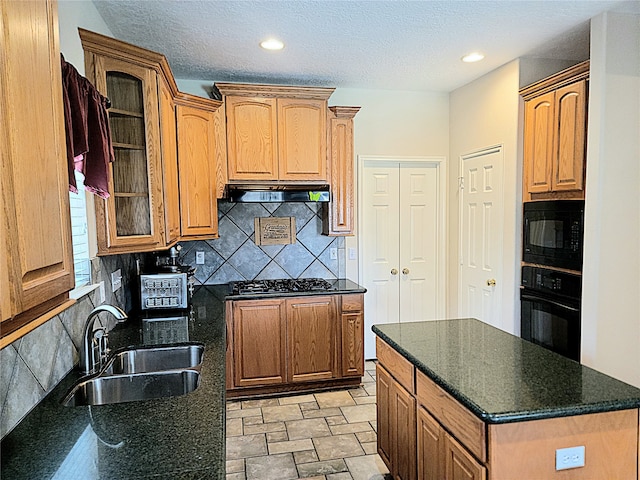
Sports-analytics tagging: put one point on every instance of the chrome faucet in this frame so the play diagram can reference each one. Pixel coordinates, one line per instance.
(94, 342)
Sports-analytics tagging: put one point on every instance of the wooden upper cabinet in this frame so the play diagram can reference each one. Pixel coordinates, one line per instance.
(338, 215)
(36, 268)
(302, 139)
(164, 176)
(539, 143)
(570, 123)
(555, 135)
(252, 138)
(168, 137)
(197, 167)
(132, 218)
(276, 133)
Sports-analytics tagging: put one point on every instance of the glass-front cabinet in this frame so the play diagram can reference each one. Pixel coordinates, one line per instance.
(132, 218)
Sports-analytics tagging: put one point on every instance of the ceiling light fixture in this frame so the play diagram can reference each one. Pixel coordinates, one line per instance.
(473, 57)
(272, 44)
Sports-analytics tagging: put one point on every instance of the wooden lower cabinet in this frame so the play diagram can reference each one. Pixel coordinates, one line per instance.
(259, 336)
(459, 464)
(279, 345)
(396, 426)
(312, 339)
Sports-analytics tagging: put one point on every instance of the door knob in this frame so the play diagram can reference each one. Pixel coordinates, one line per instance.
(491, 282)
(405, 271)
(394, 271)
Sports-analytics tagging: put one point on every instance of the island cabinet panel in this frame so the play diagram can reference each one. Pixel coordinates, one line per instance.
(462, 424)
(430, 445)
(311, 338)
(401, 368)
(259, 342)
(526, 450)
(396, 413)
(460, 465)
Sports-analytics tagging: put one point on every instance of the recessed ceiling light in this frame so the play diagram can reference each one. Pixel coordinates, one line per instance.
(272, 44)
(473, 57)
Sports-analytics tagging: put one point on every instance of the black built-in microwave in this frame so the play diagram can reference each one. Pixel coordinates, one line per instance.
(553, 233)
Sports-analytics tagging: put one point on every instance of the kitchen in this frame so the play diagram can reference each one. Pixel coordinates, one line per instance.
(609, 322)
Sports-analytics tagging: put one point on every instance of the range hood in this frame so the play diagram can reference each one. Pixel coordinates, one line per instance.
(278, 193)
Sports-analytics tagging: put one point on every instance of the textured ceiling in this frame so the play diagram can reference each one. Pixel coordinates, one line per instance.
(405, 45)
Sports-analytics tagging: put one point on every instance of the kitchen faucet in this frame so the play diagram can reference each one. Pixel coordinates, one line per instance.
(92, 340)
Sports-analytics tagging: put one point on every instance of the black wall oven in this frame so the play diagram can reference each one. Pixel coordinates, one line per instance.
(553, 233)
(550, 302)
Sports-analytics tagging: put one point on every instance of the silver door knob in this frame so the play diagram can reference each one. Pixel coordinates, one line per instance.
(405, 271)
(491, 282)
(394, 271)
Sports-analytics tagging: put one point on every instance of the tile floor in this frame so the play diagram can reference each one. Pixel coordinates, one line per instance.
(321, 436)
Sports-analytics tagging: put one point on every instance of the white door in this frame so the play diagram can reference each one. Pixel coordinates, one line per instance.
(401, 240)
(481, 234)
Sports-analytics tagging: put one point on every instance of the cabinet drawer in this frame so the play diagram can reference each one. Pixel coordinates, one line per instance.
(462, 424)
(352, 303)
(398, 366)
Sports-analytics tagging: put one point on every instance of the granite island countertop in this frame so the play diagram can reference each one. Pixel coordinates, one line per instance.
(502, 378)
(178, 438)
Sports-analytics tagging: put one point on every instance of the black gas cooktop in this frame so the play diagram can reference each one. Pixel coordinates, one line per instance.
(285, 285)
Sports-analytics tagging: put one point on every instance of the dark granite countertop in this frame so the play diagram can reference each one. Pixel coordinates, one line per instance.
(172, 438)
(502, 378)
(339, 286)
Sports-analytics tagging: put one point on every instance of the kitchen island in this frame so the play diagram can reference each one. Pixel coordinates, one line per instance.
(459, 399)
(178, 437)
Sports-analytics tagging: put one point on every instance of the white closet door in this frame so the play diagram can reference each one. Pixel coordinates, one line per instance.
(380, 253)
(418, 242)
(401, 235)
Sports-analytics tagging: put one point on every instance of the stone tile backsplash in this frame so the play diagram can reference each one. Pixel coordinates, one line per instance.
(33, 365)
(235, 256)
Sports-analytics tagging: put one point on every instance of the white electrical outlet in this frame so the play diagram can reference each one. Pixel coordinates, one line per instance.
(199, 258)
(352, 253)
(116, 280)
(334, 253)
(572, 457)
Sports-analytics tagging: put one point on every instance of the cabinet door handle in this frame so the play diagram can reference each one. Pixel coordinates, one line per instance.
(394, 271)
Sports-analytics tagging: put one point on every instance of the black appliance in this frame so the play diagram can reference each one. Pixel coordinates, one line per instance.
(285, 285)
(553, 233)
(550, 302)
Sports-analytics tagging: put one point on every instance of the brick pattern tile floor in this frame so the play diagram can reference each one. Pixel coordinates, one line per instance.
(321, 436)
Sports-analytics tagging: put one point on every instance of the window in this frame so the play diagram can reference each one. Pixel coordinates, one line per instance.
(79, 234)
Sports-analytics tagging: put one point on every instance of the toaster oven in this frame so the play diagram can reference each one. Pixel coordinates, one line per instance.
(163, 291)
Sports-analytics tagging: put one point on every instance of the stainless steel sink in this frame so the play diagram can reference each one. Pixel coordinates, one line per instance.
(107, 389)
(154, 359)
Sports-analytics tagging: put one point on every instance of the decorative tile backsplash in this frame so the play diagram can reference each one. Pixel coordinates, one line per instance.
(235, 256)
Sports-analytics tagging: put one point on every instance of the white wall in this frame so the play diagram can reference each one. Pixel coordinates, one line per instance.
(611, 272)
(71, 15)
(485, 113)
(395, 123)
